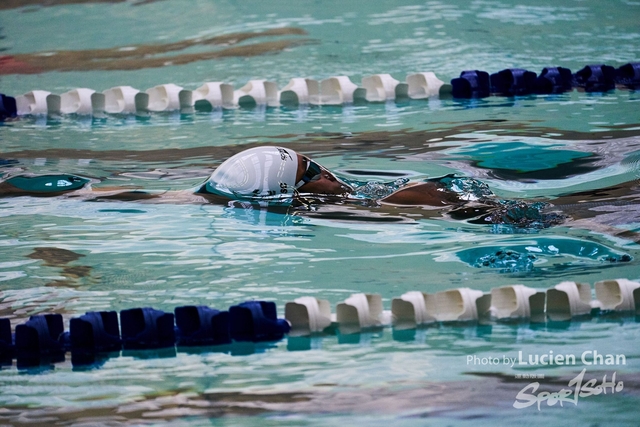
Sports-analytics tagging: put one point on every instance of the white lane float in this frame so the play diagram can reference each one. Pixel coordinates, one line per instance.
(32, 103)
(308, 315)
(165, 97)
(455, 305)
(332, 91)
(257, 93)
(381, 88)
(336, 90)
(569, 299)
(213, 95)
(361, 311)
(618, 295)
(459, 305)
(120, 100)
(424, 85)
(80, 101)
(517, 302)
(296, 92)
(410, 310)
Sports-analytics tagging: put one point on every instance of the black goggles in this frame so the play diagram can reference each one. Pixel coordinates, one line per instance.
(312, 173)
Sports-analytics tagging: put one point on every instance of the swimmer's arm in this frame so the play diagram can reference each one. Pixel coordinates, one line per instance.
(173, 197)
(422, 194)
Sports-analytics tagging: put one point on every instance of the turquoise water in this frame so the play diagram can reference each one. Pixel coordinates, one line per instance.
(115, 255)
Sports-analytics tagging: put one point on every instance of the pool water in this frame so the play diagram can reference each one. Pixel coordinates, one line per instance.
(578, 151)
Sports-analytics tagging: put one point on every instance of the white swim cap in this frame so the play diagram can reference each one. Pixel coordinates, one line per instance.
(261, 172)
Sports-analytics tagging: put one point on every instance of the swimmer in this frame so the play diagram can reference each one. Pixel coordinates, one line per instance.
(278, 177)
(280, 174)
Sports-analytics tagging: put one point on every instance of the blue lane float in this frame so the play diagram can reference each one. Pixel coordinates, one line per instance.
(8, 107)
(40, 335)
(554, 80)
(201, 326)
(146, 328)
(95, 332)
(513, 82)
(596, 78)
(629, 75)
(471, 84)
(256, 321)
(6, 342)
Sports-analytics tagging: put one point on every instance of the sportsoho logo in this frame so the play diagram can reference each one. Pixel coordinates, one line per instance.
(577, 388)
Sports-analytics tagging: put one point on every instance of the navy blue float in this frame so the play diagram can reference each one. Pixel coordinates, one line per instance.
(513, 82)
(471, 84)
(596, 78)
(146, 328)
(201, 325)
(95, 332)
(256, 321)
(554, 80)
(6, 341)
(8, 107)
(40, 335)
(629, 75)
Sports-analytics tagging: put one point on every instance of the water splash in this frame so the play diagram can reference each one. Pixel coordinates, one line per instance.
(469, 189)
(519, 214)
(507, 216)
(542, 254)
(507, 261)
(376, 190)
